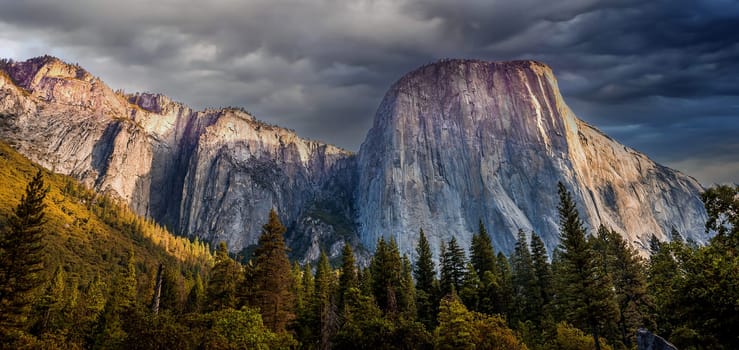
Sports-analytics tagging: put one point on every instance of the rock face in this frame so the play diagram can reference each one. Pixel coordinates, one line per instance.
(212, 173)
(646, 340)
(461, 141)
(453, 143)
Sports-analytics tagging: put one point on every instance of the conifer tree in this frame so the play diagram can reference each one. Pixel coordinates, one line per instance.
(482, 255)
(425, 274)
(196, 296)
(21, 258)
(543, 277)
(586, 292)
(50, 305)
(119, 308)
(269, 277)
(224, 279)
(525, 292)
(324, 303)
(386, 269)
(407, 290)
(471, 288)
(452, 267)
(504, 299)
(348, 278)
(626, 269)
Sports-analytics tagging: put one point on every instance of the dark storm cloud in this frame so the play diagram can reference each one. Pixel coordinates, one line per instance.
(661, 76)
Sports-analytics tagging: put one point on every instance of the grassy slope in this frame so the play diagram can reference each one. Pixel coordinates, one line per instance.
(92, 235)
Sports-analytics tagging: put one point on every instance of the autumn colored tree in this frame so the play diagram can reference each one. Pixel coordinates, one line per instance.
(460, 328)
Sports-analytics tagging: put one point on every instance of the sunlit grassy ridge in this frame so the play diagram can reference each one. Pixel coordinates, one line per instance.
(92, 235)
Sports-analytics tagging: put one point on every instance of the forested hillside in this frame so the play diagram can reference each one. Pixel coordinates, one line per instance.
(78, 270)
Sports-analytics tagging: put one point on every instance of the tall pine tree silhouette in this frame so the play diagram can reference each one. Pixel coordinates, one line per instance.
(21, 260)
(586, 291)
(270, 276)
(424, 273)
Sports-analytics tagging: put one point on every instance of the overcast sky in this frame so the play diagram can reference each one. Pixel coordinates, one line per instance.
(661, 76)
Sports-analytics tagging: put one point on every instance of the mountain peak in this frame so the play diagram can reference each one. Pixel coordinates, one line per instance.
(467, 67)
(29, 73)
(459, 141)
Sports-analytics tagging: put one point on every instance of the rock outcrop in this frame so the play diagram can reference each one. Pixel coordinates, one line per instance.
(647, 340)
(212, 173)
(461, 141)
(452, 143)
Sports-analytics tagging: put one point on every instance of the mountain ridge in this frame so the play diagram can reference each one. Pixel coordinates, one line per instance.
(222, 169)
(486, 140)
(139, 147)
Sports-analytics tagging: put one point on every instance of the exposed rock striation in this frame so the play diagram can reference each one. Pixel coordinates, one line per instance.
(452, 143)
(461, 141)
(212, 173)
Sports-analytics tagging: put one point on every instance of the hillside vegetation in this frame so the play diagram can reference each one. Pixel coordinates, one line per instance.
(105, 279)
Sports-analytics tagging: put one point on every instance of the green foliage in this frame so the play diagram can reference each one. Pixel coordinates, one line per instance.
(93, 289)
(585, 292)
(269, 278)
(453, 264)
(482, 255)
(238, 329)
(542, 279)
(21, 259)
(324, 315)
(424, 273)
(526, 294)
(462, 329)
(224, 281)
(571, 338)
(348, 278)
(386, 268)
(626, 269)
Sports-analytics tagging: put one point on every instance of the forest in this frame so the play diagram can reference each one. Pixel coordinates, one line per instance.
(79, 270)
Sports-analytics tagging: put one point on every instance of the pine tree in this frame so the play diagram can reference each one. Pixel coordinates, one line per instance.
(325, 314)
(586, 292)
(407, 293)
(49, 307)
(386, 269)
(626, 269)
(452, 267)
(196, 296)
(504, 299)
(425, 275)
(269, 277)
(543, 277)
(525, 292)
(482, 255)
(224, 279)
(471, 289)
(119, 308)
(460, 328)
(348, 278)
(21, 258)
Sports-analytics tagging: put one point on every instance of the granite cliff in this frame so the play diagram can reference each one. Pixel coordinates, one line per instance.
(212, 173)
(452, 143)
(461, 141)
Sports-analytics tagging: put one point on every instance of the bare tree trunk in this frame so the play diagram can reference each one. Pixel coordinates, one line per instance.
(157, 290)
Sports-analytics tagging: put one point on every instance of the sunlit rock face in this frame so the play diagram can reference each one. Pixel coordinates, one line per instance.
(452, 143)
(214, 173)
(460, 141)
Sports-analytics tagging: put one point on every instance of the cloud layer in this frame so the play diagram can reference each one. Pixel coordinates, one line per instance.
(660, 76)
